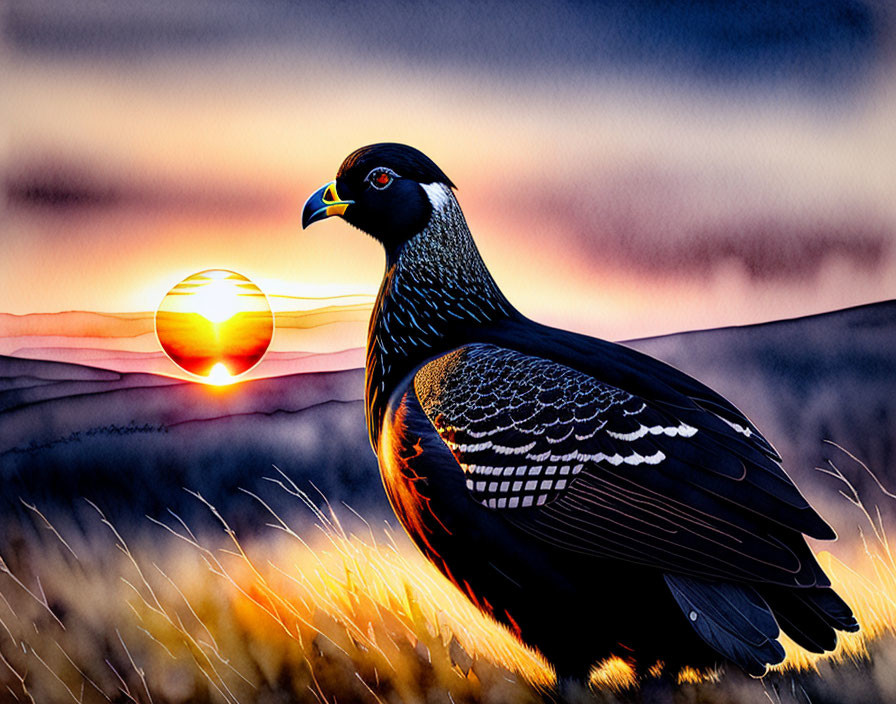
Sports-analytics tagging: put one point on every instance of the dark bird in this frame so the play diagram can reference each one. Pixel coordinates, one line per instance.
(596, 500)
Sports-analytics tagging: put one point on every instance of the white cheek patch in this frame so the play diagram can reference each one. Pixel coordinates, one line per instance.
(438, 193)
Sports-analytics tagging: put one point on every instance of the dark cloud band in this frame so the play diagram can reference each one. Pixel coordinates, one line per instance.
(818, 44)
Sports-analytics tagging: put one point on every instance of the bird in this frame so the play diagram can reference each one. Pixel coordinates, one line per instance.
(595, 500)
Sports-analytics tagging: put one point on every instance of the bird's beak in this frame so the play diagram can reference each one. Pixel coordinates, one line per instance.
(323, 203)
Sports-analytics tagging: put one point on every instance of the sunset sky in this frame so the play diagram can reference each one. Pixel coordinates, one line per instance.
(627, 170)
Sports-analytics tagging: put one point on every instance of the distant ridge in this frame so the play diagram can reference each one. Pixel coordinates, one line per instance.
(132, 441)
(883, 312)
(124, 361)
(140, 352)
(13, 367)
(329, 337)
(89, 324)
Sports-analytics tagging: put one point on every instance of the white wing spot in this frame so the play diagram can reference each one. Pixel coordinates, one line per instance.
(616, 459)
(472, 447)
(503, 450)
(746, 432)
(641, 459)
(683, 429)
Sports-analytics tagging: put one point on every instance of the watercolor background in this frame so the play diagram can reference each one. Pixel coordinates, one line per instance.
(629, 170)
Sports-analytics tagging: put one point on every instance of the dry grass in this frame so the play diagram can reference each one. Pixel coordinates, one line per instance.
(343, 619)
(338, 617)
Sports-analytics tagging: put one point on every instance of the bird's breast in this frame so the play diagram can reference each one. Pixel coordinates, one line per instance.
(425, 491)
(527, 585)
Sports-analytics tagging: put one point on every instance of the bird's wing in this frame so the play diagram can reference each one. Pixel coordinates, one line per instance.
(638, 373)
(592, 468)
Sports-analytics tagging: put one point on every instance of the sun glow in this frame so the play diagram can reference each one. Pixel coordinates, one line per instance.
(215, 324)
(218, 300)
(219, 376)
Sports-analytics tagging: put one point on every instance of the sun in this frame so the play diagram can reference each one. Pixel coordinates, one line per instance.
(218, 299)
(216, 324)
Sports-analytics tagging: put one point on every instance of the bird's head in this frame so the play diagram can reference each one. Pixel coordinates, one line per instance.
(387, 190)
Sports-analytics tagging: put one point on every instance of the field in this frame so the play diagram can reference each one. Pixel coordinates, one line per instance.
(153, 552)
(343, 612)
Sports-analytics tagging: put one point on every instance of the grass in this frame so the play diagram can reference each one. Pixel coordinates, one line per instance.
(345, 615)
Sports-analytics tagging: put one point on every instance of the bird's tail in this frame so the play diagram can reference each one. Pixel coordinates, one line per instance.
(741, 622)
(732, 618)
(810, 616)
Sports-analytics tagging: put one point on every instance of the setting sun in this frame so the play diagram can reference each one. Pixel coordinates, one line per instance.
(216, 324)
(219, 299)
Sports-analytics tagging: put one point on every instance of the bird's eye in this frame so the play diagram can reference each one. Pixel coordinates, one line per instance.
(380, 178)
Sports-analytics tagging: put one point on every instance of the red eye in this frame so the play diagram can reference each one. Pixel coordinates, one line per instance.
(380, 178)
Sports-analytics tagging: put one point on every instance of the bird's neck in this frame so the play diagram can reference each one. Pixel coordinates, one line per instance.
(436, 294)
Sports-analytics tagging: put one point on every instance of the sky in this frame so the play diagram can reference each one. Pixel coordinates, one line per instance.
(627, 168)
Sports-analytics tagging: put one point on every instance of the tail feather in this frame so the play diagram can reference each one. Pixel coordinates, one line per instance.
(733, 619)
(811, 617)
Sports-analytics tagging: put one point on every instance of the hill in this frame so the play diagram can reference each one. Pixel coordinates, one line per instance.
(131, 442)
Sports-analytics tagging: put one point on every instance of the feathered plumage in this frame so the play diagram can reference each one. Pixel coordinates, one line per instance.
(594, 499)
